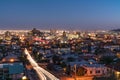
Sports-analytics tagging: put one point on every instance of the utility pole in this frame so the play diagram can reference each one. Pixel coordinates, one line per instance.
(75, 70)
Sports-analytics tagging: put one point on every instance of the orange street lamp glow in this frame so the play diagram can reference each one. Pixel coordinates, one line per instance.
(4, 60)
(12, 60)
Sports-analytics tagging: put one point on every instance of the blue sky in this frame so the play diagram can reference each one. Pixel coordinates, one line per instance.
(66, 14)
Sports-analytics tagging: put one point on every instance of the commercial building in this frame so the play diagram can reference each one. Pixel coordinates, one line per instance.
(11, 70)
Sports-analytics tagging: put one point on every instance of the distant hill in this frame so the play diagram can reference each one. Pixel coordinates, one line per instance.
(115, 30)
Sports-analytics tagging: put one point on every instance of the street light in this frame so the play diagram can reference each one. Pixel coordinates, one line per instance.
(24, 78)
(12, 60)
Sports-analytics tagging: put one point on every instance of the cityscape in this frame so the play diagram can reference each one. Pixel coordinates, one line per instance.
(59, 55)
(59, 40)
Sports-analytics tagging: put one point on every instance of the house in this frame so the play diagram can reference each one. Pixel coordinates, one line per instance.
(112, 47)
(92, 68)
(61, 50)
(95, 70)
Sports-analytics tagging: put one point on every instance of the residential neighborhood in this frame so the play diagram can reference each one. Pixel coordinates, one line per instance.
(63, 54)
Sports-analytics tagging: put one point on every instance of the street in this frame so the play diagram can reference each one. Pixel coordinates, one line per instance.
(42, 73)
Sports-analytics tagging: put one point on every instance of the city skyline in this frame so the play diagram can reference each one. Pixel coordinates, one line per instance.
(60, 14)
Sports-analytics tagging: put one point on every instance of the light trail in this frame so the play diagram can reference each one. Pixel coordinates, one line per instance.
(35, 66)
(43, 74)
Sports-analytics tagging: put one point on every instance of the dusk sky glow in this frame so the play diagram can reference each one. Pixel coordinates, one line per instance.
(60, 14)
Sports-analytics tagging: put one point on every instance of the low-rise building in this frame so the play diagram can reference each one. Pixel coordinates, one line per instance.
(13, 71)
(91, 68)
(95, 70)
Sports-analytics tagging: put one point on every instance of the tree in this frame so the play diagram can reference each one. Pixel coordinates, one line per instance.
(16, 39)
(81, 71)
(68, 70)
(36, 32)
(56, 59)
(106, 59)
(7, 33)
(23, 58)
(63, 65)
(39, 57)
(50, 66)
(100, 51)
(1, 41)
(70, 59)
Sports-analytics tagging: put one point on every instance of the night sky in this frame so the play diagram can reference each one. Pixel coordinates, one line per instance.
(60, 14)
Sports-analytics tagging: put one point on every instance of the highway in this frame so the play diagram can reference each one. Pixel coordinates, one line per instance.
(42, 73)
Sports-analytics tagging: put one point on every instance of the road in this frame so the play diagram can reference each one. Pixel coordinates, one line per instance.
(42, 73)
(32, 75)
